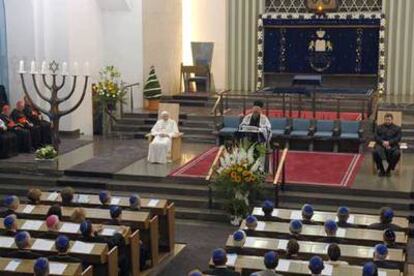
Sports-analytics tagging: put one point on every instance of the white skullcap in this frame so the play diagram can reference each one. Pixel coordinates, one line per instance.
(164, 113)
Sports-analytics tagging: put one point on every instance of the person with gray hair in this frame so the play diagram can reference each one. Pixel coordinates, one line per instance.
(163, 131)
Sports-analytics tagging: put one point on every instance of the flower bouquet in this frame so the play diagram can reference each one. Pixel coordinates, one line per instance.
(240, 175)
(109, 88)
(46, 153)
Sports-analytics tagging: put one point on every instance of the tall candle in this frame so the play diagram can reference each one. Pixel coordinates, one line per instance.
(64, 69)
(87, 73)
(21, 66)
(33, 67)
(44, 67)
(75, 68)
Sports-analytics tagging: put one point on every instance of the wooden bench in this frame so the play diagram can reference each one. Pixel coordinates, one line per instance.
(248, 264)
(24, 267)
(314, 232)
(160, 207)
(99, 254)
(38, 228)
(136, 220)
(354, 254)
(358, 220)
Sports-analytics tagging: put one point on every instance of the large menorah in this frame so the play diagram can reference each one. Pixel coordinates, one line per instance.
(54, 113)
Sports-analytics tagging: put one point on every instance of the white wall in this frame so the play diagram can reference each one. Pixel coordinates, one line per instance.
(207, 19)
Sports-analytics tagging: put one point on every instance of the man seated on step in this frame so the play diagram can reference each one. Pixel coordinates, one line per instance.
(219, 258)
(163, 131)
(387, 138)
(257, 120)
(271, 260)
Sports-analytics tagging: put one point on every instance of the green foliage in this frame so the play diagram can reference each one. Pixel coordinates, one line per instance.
(47, 152)
(109, 88)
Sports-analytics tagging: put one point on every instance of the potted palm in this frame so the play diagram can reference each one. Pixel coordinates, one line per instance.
(152, 91)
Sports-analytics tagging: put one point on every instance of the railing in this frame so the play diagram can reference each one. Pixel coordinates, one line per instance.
(221, 106)
(130, 89)
(210, 174)
(280, 175)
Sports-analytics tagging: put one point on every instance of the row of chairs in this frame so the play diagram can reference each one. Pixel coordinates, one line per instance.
(139, 225)
(347, 245)
(297, 131)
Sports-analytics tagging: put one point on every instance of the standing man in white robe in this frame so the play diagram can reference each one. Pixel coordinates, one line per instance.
(259, 120)
(163, 131)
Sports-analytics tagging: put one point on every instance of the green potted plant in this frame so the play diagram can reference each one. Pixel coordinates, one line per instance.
(152, 91)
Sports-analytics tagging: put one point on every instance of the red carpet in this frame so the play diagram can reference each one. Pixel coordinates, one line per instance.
(311, 168)
(320, 115)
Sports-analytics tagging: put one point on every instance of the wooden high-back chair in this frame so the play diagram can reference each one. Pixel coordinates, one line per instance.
(397, 118)
(195, 73)
(174, 111)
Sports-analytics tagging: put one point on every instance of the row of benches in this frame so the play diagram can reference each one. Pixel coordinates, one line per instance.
(272, 233)
(154, 224)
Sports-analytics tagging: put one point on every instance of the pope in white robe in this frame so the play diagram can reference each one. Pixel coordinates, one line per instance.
(259, 120)
(163, 131)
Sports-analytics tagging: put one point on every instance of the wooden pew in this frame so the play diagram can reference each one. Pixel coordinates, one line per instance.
(99, 254)
(314, 232)
(359, 220)
(24, 267)
(38, 228)
(353, 254)
(248, 264)
(136, 220)
(160, 207)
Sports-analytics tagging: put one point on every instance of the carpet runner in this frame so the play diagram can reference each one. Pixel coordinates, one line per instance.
(307, 168)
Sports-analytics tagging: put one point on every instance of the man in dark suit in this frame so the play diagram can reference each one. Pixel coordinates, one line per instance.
(386, 217)
(62, 246)
(20, 118)
(343, 216)
(380, 256)
(24, 139)
(22, 241)
(34, 116)
(219, 258)
(387, 138)
(389, 240)
(271, 261)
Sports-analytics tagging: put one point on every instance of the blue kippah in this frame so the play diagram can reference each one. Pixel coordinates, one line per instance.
(85, 227)
(316, 263)
(62, 242)
(331, 225)
(270, 257)
(195, 273)
(21, 236)
(381, 249)
(41, 264)
(296, 225)
(343, 210)
(369, 269)
(8, 221)
(251, 219)
(9, 200)
(133, 199)
(388, 213)
(115, 211)
(219, 255)
(307, 209)
(267, 204)
(239, 235)
(103, 196)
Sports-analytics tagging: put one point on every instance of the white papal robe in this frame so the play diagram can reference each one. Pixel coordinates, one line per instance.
(161, 146)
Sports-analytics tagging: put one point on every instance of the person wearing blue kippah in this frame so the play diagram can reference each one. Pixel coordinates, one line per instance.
(386, 216)
(116, 215)
(380, 257)
(134, 203)
(23, 242)
(219, 258)
(267, 208)
(62, 244)
(343, 216)
(316, 265)
(271, 260)
(10, 225)
(41, 267)
(105, 199)
(307, 214)
(389, 240)
(330, 229)
(11, 203)
(195, 272)
(369, 269)
(295, 228)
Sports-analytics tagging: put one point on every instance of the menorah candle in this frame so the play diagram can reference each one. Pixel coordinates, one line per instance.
(33, 67)
(75, 69)
(44, 67)
(86, 69)
(21, 66)
(64, 69)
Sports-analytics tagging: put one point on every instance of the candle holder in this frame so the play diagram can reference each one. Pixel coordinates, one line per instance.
(54, 113)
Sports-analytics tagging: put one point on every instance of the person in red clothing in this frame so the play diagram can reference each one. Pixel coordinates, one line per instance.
(24, 140)
(20, 119)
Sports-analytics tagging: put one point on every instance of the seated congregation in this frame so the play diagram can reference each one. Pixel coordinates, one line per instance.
(22, 130)
(96, 234)
(302, 242)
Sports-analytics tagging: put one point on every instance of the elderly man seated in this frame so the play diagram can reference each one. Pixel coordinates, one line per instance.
(163, 131)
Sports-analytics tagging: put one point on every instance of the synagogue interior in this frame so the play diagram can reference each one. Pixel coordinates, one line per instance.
(206, 137)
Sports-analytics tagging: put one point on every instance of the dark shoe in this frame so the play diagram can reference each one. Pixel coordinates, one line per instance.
(381, 174)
